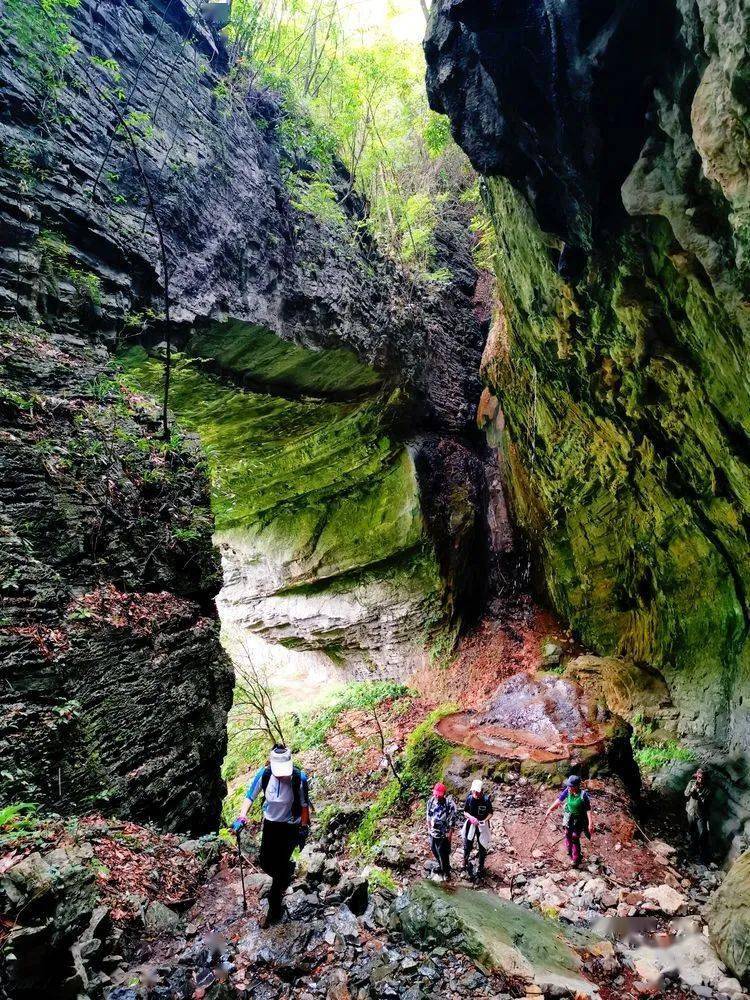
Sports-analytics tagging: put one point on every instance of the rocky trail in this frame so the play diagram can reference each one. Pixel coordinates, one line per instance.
(162, 918)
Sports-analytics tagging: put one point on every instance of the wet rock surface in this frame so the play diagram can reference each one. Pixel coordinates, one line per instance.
(249, 271)
(729, 918)
(565, 124)
(546, 719)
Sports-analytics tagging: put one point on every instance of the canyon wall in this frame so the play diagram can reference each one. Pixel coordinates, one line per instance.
(616, 371)
(332, 395)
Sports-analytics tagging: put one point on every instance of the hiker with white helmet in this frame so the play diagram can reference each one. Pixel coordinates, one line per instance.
(576, 805)
(286, 821)
(476, 830)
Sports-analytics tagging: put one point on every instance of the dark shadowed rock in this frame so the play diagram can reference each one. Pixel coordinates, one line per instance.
(551, 95)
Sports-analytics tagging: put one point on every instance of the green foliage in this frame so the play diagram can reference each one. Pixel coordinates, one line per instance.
(88, 286)
(424, 758)
(656, 755)
(313, 730)
(10, 399)
(41, 30)
(652, 753)
(318, 198)
(355, 98)
(15, 820)
(381, 878)
(54, 254)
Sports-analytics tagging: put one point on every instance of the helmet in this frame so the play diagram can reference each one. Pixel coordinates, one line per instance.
(439, 790)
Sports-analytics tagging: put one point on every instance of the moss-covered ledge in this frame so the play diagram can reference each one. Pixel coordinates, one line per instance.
(626, 435)
(315, 494)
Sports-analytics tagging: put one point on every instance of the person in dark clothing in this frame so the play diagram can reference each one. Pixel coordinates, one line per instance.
(286, 821)
(576, 805)
(476, 830)
(698, 807)
(441, 819)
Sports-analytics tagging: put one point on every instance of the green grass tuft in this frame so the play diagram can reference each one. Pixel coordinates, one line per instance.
(425, 755)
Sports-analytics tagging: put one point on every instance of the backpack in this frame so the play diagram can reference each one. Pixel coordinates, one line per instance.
(297, 782)
(575, 805)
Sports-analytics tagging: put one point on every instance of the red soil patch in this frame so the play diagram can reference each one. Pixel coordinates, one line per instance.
(495, 650)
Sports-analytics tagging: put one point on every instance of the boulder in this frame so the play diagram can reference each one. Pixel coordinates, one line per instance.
(495, 933)
(729, 919)
(623, 686)
(159, 919)
(668, 900)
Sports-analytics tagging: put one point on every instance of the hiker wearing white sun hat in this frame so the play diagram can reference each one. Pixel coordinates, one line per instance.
(286, 820)
(476, 829)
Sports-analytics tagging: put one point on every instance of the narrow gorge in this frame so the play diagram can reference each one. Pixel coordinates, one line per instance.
(406, 424)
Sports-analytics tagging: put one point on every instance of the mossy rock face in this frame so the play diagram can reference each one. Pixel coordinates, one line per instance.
(729, 919)
(316, 498)
(624, 413)
(498, 934)
(625, 688)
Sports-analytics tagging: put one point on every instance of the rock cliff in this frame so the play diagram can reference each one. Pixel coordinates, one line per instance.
(115, 689)
(616, 368)
(315, 373)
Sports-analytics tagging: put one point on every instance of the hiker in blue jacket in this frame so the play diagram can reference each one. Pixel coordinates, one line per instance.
(286, 821)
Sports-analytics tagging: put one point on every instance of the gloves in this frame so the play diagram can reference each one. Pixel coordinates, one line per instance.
(238, 824)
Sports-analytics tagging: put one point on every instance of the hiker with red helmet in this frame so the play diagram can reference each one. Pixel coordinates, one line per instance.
(442, 815)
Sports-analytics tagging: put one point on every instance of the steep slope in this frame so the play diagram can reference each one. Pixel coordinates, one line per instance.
(618, 358)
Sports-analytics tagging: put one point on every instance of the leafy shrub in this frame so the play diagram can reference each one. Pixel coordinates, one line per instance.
(313, 730)
(41, 29)
(425, 755)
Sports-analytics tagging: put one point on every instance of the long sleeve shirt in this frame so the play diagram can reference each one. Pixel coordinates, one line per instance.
(279, 796)
(441, 816)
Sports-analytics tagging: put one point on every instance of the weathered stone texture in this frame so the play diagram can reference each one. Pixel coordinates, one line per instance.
(623, 380)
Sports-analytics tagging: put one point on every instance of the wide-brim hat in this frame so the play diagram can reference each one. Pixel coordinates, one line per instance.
(281, 763)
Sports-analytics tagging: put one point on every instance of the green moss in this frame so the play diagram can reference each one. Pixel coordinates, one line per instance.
(323, 489)
(424, 759)
(260, 356)
(627, 434)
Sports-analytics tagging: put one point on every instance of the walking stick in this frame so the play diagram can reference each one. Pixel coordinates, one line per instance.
(242, 874)
(536, 839)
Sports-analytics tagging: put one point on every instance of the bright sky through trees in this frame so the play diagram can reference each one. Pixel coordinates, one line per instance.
(402, 19)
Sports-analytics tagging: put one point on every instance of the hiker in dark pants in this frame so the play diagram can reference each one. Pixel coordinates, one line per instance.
(477, 812)
(286, 821)
(441, 819)
(576, 816)
(698, 807)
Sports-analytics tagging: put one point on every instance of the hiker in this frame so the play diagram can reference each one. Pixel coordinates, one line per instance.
(576, 816)
(697, 807)
(441, 819)
(476, 829)
(286, 821)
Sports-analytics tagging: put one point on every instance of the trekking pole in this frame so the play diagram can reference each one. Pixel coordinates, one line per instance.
(242, 874)
(536, 839)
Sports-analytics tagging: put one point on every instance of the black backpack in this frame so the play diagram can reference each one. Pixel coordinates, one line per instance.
(297, 782)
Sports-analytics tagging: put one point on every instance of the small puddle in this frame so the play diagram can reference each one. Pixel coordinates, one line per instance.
(542, 718)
